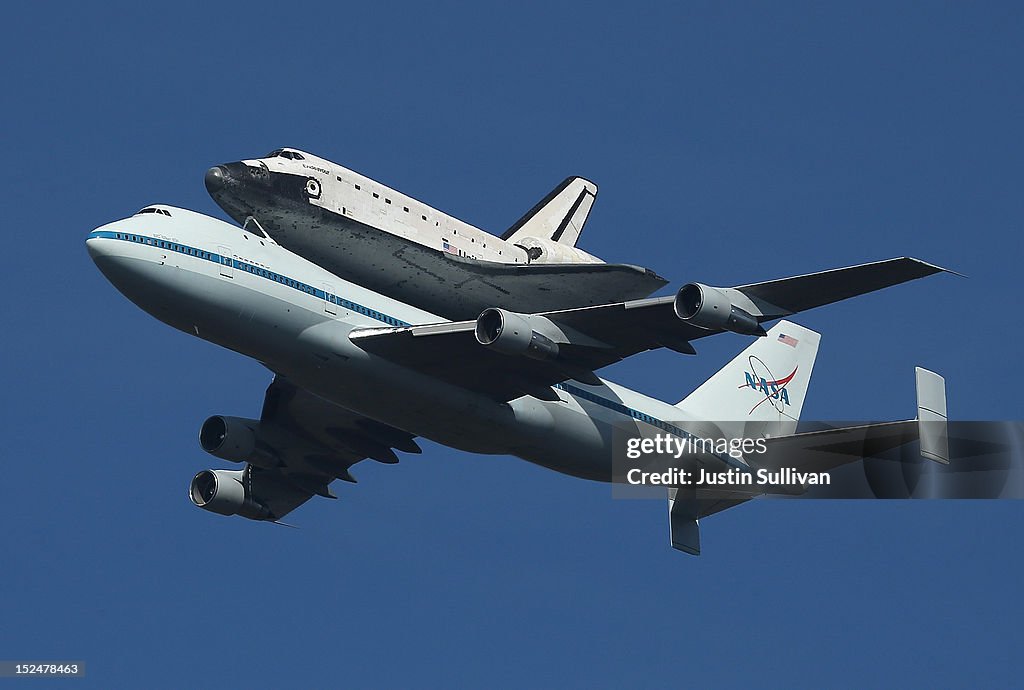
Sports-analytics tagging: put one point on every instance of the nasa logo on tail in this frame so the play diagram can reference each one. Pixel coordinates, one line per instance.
(760, 379)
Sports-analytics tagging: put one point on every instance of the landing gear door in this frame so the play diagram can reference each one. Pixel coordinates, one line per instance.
(225, 261)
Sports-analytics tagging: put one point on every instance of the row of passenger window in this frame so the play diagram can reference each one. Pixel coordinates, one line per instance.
(622, 409)
(372, 313)
(333, 299)
(180, 248)
(263, 273)
(276, 277)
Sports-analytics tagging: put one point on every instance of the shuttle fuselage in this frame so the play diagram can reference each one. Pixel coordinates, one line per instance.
(375, 236)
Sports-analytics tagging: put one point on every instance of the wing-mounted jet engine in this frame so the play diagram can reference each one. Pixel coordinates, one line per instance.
(300, 444)
(715, 309)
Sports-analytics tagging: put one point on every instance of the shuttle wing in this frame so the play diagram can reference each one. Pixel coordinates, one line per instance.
(589, 338)
(314, 442)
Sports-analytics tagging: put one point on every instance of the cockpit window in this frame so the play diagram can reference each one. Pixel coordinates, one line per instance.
(153, 209)
(290, 155)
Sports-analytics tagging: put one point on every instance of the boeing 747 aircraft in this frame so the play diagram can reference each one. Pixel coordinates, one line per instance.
(360, 375)
(363, 231)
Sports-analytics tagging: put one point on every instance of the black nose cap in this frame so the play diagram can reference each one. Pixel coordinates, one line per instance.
(216, 179)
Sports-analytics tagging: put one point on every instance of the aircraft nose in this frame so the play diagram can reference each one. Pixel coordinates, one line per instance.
(95, 247)
(216, 178)
(102, 244)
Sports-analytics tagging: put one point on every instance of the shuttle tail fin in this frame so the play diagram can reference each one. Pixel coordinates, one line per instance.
(559, 216)
(761, 391)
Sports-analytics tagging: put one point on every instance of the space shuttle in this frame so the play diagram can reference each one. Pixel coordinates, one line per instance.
(376, 236)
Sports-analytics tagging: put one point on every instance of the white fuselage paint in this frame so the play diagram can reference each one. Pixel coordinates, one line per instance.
(167, 265)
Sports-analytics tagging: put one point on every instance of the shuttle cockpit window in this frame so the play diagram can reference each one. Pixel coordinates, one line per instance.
(290, 155)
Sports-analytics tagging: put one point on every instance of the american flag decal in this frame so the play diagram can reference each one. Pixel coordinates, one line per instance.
(450, 249)
(788, 340)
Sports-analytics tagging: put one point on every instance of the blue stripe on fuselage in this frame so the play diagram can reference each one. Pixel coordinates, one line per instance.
(252, 269)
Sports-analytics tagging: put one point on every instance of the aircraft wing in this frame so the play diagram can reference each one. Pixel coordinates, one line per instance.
(576, 342)
(649, 323)
(314, 442)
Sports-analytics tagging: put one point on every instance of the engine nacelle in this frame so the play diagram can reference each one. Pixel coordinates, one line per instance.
(708, 307)
(224, 492)
(229, 438)
(544, 251)
(510, 333)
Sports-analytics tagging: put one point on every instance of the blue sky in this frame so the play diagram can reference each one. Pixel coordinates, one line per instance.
(732, 142)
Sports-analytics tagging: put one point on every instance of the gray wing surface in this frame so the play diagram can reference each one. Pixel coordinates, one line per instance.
(645, 324)
(593, 337)
(314, 442)
(787, 296)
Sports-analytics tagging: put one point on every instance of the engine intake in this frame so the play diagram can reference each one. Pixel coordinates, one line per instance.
(224, 492)
(710, 308)
(236, 439)
(511, 334)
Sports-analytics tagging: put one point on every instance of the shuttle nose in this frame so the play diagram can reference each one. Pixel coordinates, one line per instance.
(216, 178)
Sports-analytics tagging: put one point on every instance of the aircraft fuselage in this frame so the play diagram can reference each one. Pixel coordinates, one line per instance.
(244, 292)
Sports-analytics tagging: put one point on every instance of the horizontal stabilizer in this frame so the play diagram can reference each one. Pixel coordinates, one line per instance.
(821, 451)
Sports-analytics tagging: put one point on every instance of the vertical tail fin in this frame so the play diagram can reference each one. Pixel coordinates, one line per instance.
(559, 216)
(761, 391)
